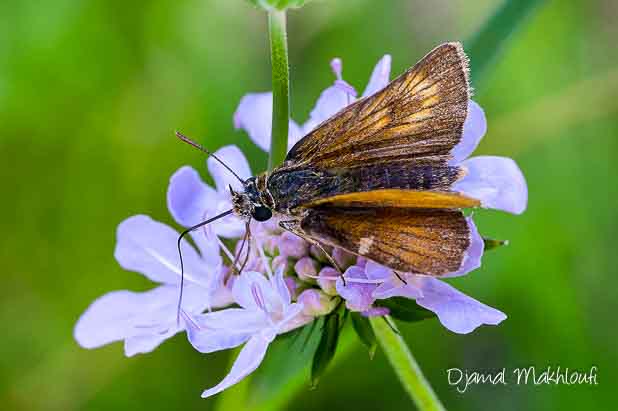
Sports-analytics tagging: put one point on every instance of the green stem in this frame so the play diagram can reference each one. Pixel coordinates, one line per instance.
(281, 87)
(404, 364)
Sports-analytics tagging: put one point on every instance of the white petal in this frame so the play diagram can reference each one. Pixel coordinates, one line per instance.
(474, 129)
(221, 330)
(248, 360)
(236, 161)
(254, 115)
(496, 181)
(455, 310)
(379, 77)
(149, 247)
(119, 315)
(253, 291)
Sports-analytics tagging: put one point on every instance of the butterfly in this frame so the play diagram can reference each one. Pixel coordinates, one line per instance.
(375, 179)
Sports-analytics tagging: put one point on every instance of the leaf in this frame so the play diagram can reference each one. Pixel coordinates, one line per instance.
(326, 348)
(485, 46)
(405, 309)
(363, 329)
(490, 243)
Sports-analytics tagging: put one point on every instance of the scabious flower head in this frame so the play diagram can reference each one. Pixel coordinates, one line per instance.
(285, 282)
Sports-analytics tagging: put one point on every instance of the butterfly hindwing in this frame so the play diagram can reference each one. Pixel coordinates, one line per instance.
(419, 116)
(432, 242)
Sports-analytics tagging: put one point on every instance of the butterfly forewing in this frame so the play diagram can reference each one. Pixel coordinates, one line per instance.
(432, 242)
(419, 116)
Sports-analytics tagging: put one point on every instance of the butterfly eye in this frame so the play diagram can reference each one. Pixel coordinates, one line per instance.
(261, 213)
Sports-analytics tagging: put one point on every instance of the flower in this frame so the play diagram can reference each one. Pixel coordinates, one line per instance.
(265, 311)
(146, 319)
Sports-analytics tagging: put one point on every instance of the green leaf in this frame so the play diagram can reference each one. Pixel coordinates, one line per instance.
(270, 5)
(326, 348)
(485, 46)
(405, 309)
(490, 243)
(363, 329)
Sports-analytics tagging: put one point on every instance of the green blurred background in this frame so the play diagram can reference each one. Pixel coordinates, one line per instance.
(91, 92)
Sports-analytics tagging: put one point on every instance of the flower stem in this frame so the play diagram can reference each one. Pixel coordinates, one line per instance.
(281, 87)
(404, 364)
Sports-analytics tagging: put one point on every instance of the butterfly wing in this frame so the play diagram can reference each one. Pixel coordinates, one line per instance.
(419, 116)
(397, 198)
(432, 242)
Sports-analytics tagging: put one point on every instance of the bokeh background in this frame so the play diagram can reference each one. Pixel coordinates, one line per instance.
(91, 92)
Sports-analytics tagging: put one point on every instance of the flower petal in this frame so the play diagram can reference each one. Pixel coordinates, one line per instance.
(222, 330)
(379, 77)
(496, 181)
(143, 344)
(248, 360)
(472, 256)
(235, 160)
(149, 247)
(119, 315)
(191, 201)
(332, 100)
(455, 310)
(394, 287)
(474, 129)
(377, 271)
(279, 284)
(357, 295)
(188, 197)
(254, 115)
(253, 291)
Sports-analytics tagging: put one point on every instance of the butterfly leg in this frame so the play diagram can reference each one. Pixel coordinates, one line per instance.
(293, 226)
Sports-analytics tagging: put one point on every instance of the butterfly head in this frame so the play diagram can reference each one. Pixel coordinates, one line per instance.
(248, 203)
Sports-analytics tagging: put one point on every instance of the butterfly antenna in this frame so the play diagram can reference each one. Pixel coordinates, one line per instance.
(201, 148)
(182, 267)
(248, 229)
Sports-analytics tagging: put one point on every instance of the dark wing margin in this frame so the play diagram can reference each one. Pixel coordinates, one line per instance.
(419, 116)
(432, 242)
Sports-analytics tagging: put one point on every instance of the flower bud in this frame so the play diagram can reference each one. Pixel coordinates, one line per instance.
(291, 245)
(328, 284)
(316, 303)
(306, 268)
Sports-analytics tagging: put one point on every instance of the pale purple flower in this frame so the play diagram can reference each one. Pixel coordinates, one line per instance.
(145, 319)
(455, 310)
(266, 310)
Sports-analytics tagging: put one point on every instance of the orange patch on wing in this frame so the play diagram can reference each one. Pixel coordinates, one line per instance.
(399, 199)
